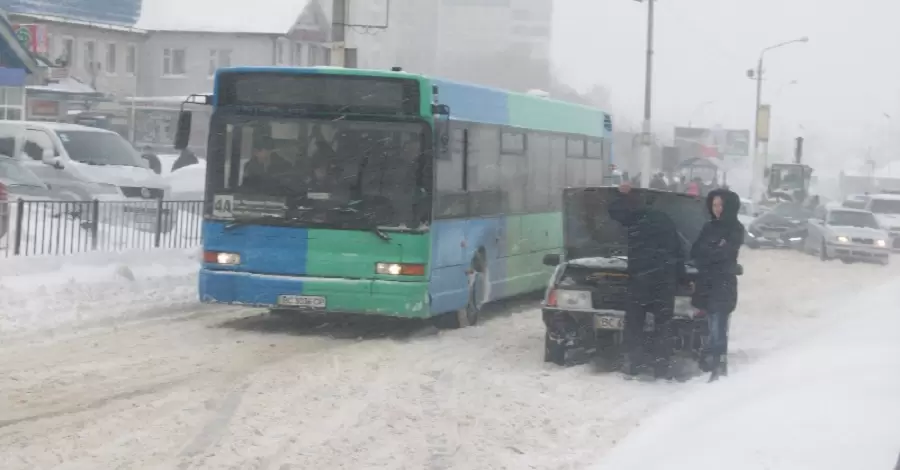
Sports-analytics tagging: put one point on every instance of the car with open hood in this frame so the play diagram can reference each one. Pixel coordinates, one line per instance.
(785, 226)
(584, 304)
(849, 235)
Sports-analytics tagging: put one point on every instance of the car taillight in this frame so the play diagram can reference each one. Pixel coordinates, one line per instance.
(551, 298)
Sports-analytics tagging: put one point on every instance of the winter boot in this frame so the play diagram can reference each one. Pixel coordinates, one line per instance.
(716, 367)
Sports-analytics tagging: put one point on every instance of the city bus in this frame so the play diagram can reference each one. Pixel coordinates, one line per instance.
(333, 190)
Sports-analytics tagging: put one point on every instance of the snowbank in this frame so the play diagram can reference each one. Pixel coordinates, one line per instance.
(830, 403)
(45, 293)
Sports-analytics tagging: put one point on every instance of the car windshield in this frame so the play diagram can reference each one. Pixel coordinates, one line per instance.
(12, 172)
(99, 148)
(791, 210)
(886, 206)
(340, 172)
(852, 219)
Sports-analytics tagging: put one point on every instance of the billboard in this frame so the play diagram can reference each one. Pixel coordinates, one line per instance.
(695, 142)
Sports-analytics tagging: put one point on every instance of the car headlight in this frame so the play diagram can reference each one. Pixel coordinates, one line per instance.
(842, 239)
(881, 243)
(574, 299)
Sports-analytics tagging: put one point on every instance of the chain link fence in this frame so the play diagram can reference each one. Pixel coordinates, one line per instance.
(34, 228)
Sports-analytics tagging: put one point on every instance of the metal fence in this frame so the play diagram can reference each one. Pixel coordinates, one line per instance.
(30, 228)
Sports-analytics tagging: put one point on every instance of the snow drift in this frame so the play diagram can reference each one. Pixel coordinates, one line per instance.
(41, 293)
(830, 403)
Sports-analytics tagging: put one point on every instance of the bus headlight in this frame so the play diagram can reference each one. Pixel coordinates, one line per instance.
(399, 269)
(219, 257)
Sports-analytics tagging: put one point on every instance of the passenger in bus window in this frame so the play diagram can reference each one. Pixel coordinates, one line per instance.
(265, 166)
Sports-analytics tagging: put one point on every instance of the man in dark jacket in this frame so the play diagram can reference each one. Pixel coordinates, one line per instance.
(715, 256)
(659, 182)
(655, 267)
(266, 169)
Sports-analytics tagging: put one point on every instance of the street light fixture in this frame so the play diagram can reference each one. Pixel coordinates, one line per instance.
(758, 76)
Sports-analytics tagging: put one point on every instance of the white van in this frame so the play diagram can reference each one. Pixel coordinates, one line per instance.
(84, 163)
(80, 163)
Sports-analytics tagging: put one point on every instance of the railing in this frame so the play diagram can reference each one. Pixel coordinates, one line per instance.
(30, 228)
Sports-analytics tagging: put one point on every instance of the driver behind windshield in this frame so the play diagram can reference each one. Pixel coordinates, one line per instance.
(266, 167)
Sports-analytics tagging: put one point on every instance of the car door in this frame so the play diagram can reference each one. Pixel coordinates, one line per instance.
(63, 184)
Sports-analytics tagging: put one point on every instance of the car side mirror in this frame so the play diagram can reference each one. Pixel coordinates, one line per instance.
(49, 158)
(551, 260)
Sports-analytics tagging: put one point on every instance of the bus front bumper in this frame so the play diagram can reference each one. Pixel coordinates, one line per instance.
(365, 296)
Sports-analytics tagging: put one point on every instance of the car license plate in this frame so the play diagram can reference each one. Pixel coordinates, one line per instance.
(604, 322)
(301, 301)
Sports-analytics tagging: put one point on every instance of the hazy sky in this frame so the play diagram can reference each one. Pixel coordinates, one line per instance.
(847, 76)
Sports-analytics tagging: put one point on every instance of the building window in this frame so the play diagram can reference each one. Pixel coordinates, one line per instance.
(131, 59)
(112, 53)
(90, 56)
(282, 47)
(67, 51)
(174, 62)
(297, 58)
(219, 58)
(12, 103)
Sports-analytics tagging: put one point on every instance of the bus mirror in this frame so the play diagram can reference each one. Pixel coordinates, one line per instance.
(440, 110)
(183, 132)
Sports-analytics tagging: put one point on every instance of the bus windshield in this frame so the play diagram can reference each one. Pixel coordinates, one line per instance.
(338, 173)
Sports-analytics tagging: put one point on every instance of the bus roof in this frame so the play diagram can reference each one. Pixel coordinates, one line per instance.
(483, 104)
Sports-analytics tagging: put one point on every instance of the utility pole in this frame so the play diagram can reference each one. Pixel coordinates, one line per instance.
(759, 165)
(646, 153)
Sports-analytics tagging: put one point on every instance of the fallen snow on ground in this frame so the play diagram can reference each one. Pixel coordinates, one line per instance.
(241, 390)
(832, 402)
(47, 292)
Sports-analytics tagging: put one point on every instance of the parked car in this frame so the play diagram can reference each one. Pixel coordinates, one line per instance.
(17, 182)
(784, 226)
(849, 235)
(584, 304)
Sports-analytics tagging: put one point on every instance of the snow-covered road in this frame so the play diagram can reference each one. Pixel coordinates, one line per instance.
(235, 389)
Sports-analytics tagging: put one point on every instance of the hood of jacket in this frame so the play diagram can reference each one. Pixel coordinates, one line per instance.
(731, 204)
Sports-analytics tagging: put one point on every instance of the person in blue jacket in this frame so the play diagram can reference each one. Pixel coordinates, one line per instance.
(715, 255)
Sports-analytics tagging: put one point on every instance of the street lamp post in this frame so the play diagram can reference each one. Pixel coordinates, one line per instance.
(758, 76)
(646, 153)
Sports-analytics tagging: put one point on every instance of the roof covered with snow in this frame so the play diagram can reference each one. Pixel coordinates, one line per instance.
(221, 16)
(121, 12)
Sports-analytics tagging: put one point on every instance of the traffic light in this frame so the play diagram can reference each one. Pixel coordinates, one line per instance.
(798, 150)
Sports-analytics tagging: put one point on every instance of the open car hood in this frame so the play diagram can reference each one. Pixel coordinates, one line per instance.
(589, 232)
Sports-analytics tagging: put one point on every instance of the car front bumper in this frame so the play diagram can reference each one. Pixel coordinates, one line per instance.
(858, 252)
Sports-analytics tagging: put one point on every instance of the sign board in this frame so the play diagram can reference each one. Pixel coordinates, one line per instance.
(693, 142)
(33, 37)
(762, 123)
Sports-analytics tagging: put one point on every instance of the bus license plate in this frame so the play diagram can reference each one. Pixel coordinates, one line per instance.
(602, 322)
(301, 301)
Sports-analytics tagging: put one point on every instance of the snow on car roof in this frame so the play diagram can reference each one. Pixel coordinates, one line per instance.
(885, 197)
(216, 16)
(64, 126)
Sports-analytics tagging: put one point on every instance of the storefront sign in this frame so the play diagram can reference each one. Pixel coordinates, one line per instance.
(38, 108)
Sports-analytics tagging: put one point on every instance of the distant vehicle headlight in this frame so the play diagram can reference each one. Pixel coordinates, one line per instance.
(881, 243)
(843, 239)
(574, 299)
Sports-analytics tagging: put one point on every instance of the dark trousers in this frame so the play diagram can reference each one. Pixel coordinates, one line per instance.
(718, 333)
(654, 339)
